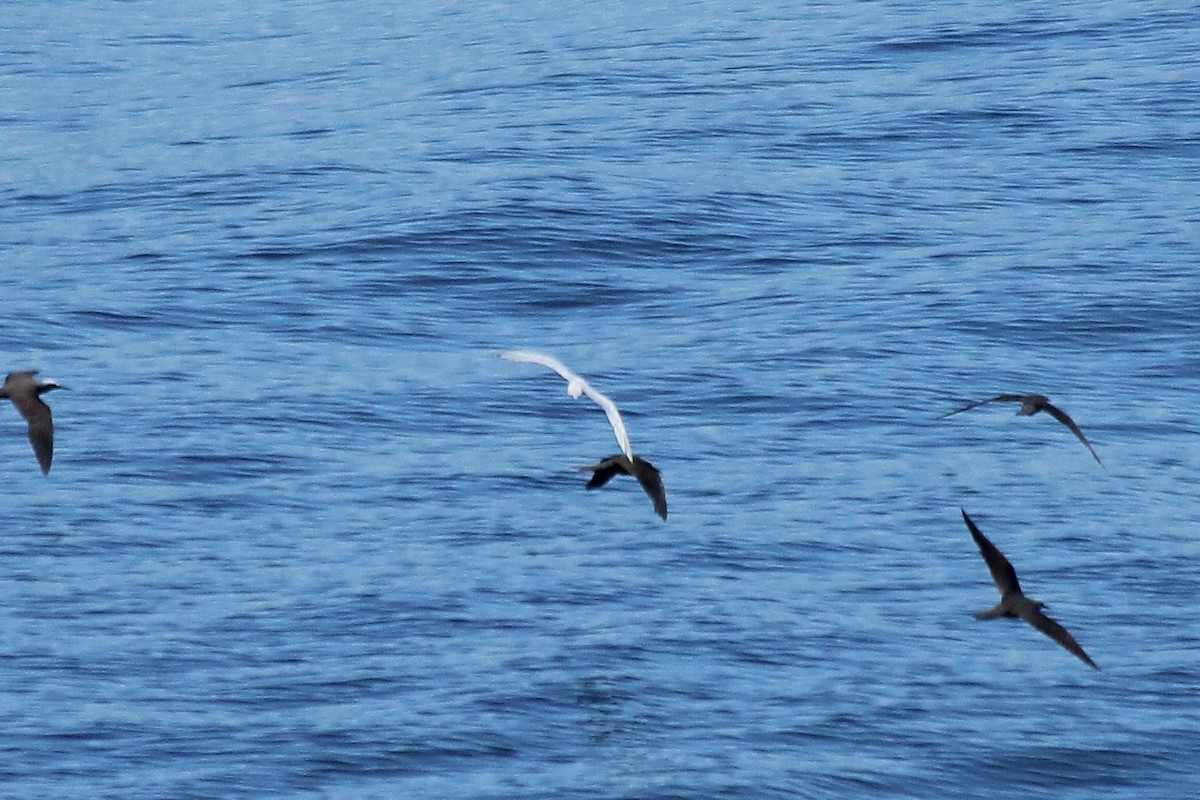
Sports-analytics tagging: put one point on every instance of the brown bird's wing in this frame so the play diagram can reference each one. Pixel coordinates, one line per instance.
(606, 469)
(1020, 398)
(20, 374)
(1001, 568)
(41, 427)
(1065, 419)
(645, 472)
(651, 481)
(1056, 632)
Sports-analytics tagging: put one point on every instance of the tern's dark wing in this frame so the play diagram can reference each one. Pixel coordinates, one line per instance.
(21, 376)
(1065, 419)
(998, 398)
(41, 427)
(1001, 568)
(1056, 632)
(651, 482)
(606, 469)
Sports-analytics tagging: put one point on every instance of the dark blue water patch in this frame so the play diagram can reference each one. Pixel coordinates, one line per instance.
(564, 234)
(1045, 770)
(1009, 120)
(151, 257)
(166, 40)
(228, 189)
(37, 198)
(110, 319)
(364, 759)
(1183, 147)
(231, 465)
(312, 133)
(189, 192)
(999, 34)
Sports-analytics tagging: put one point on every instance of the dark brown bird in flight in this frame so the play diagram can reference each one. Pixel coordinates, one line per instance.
(24, 390)
(1013, 602)
(1030, 405)
(639, 468)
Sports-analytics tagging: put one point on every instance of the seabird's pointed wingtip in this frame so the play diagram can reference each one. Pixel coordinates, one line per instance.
(967, 519)
(43, 448)
(1056, 631)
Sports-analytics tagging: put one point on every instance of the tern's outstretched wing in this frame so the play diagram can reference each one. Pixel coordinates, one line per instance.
(1056, 632)
(576, 385)
(614, 418)
(1001, 568)
(20, 375)
(41, 429)
(650, 479)
(1065, 419)
(1020, 398)
(605, 471)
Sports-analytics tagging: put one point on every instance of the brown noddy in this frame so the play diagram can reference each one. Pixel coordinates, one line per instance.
(645, 472)
(25, 392)
(1013, 602)
(1030, 405)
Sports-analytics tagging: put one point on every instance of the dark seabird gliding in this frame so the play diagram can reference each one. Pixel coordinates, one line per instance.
(1013, 602)
(639, 468)
(1030, 405)
(24, 390)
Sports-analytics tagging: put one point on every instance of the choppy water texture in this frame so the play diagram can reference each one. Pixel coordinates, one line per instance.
(305, 536)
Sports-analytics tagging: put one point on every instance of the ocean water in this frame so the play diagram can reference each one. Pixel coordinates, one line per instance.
(306, 536)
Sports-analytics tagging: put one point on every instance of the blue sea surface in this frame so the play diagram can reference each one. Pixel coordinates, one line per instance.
(305, 536)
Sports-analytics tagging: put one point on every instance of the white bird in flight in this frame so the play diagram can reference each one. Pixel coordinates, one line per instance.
(576, 386)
